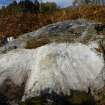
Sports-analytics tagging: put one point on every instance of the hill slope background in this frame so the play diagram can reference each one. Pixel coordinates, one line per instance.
(14, 22)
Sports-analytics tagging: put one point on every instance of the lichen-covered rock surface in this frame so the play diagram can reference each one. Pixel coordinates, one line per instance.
(62, 64)
(73, 30)
(57, 68)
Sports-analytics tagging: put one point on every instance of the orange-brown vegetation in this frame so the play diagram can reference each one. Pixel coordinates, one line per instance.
(17, 24)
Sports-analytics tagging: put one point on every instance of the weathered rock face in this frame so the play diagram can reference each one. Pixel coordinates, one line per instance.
(56, 68)
(79, 28)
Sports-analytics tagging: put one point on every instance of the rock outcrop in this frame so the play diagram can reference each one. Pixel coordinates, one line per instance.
(76, 28)
(72, 63)
(57, 68)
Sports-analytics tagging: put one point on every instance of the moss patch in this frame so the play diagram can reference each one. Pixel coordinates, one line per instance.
(46, 39)
(76, 98)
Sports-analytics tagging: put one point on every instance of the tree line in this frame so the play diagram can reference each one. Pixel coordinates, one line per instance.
(25, 6)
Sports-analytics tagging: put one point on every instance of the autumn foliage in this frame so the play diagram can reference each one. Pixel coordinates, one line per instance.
(19, 23)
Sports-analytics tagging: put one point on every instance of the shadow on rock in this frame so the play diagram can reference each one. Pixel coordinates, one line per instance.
(46, 98)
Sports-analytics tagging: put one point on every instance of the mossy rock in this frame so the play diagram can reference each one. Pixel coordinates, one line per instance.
(33, 101)
(76, 98)
(81, 98)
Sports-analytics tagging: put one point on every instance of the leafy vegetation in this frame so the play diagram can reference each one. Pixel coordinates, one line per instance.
(17, 19)
(27, 6)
